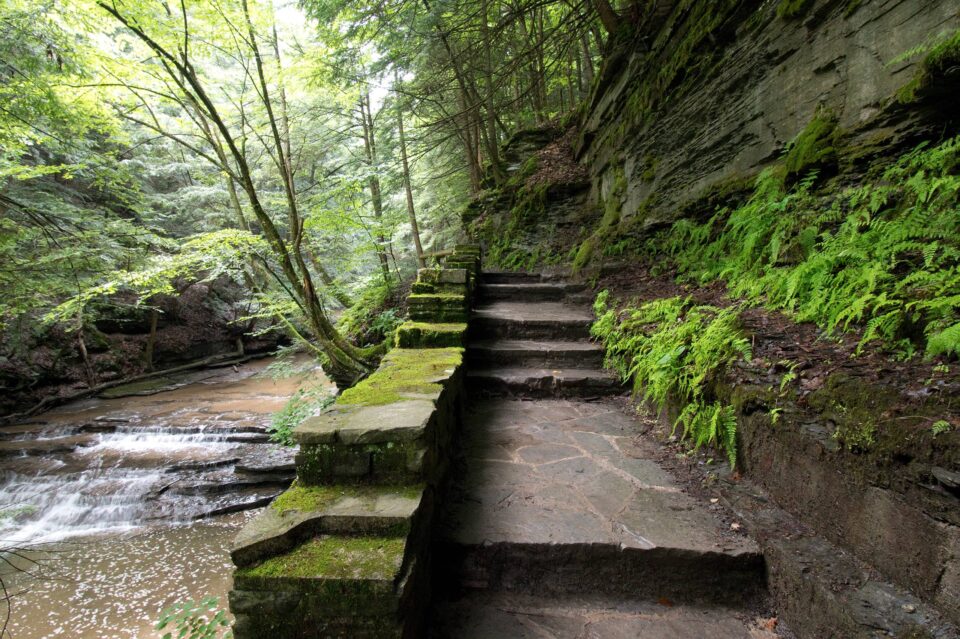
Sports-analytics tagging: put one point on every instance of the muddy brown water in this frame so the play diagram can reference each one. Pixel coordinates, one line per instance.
(120, 506)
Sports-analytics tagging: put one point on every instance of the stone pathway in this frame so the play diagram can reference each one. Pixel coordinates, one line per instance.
(558, 523)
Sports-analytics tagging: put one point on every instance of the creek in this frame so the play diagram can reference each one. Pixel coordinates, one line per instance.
(115, 507)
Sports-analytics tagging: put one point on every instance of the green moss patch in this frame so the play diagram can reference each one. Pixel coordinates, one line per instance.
(405, 371)
(315, 498)
(814, 147)
(935, 66)
(609, 223)
(790, 9)
(426, 335)
(335, 557)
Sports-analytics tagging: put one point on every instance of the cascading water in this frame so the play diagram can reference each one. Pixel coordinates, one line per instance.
(121, 472)
(127, 500)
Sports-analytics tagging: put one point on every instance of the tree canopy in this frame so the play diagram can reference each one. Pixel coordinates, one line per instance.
(307, 150)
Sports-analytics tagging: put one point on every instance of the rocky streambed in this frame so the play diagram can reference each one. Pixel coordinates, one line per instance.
(119, 506)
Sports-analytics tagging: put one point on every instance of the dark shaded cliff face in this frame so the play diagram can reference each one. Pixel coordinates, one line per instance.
(714, 91)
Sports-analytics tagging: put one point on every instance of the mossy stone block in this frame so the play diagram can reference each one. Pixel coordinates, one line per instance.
(423, 288)
(431, 335)
(439, 307)
(389, 462)
(406, 373)
(345, 509)
(401, 421)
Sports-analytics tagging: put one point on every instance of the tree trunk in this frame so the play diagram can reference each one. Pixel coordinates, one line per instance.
(414, 227)
(376, 196)
(491, 115)
(151, 339)
(608, 17)
(588, 72)
(347, 363)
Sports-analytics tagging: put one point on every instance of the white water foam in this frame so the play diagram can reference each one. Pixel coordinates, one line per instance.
(108, 496)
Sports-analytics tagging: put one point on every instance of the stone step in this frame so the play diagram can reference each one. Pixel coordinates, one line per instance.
(356, 586)
(508, 277)
(303, 512)
(542, 382)
(507, 615)
(524, 320)
(558, 497)
(540, 291)
(535, 354)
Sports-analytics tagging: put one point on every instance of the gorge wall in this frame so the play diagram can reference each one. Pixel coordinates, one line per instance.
(685, 116)
(711, 92)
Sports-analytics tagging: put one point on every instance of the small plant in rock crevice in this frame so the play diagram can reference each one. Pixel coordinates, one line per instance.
(304, 403)
(671, 350)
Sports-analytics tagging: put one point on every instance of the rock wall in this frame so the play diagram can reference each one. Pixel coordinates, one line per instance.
(346, 551)
(713, 92)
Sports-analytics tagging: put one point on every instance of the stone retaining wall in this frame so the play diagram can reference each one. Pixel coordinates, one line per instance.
(345, 551)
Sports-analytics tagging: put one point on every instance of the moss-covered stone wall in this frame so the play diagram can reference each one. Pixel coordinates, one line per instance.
(713, 92)
(345, 551)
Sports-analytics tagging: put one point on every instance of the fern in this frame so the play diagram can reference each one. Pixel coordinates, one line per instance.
(884, 256)
(946, 341)
(671, 350)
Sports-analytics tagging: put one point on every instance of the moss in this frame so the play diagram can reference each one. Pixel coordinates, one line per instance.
(404, 371)
(694, 51)
(422, 288)
(841, 399)
(648, 169)
(437, 297)
(385, 463)
(528, 168)
(429, 335)
(336, 557)
(790, 9)
(935, 66)
(314, 498)
(584, 254)
(851, 8)
(814, 147)
(608, 223)
(438, 307)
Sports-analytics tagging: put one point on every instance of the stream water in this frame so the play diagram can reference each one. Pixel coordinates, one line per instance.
(113, 508)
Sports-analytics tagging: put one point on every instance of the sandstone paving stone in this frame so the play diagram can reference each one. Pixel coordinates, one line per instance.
(534, 312)
(553, 499)
(497, 616)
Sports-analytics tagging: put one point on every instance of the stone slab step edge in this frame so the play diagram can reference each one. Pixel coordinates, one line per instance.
(532, 382)
(477, 615)
(545, 291)
(272, 533)
(674, 574)
(487, 327)
(535, 354)
(509, 277)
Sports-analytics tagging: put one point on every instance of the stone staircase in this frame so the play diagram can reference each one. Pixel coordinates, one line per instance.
(530, 337)
(559, 522)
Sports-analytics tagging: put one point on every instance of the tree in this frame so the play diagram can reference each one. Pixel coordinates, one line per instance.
(174, 47)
